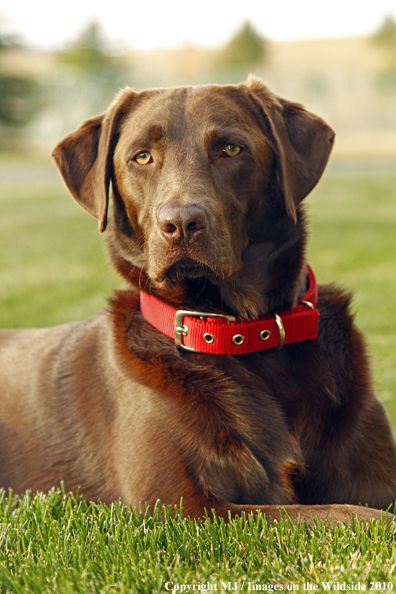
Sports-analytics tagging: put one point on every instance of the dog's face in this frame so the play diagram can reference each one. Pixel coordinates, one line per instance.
(189, 166)
(206, 182)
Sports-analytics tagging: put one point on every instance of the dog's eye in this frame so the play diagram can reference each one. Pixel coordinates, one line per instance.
(232, 150)
(143, 158)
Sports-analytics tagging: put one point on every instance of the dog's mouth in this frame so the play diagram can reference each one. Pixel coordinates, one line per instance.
(169, 267)
(188, 268)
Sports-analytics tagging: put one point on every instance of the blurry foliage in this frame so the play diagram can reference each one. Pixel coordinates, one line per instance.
(91, 61)
(246, 48)
(20, 97)
(385, 38)
(18, 101)
(7, 40)
(88, 52)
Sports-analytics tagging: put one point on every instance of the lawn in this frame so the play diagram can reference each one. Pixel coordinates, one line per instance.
(52, 270)
(60, 544)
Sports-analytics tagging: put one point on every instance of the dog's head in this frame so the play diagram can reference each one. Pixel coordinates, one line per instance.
(206, 187)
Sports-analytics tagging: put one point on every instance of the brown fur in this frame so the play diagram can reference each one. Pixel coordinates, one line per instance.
(111, 405)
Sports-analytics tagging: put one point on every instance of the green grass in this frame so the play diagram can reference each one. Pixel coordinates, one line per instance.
(61, 544)
(52, 270)
(353, 242)
(52, 266)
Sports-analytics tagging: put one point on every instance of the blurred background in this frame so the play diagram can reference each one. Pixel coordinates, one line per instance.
(59, 65)
(63, 63)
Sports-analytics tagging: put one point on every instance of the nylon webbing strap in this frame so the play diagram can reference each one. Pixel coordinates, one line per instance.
(218, 336)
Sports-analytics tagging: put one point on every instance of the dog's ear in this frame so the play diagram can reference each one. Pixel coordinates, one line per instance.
(302, 143)
(84, 158)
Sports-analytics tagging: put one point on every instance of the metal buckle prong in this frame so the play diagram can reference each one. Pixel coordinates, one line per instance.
(182, 330)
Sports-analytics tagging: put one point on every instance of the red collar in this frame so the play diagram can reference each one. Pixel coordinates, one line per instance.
(221, 334)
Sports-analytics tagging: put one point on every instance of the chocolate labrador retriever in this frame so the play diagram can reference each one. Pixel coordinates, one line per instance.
(222, 374)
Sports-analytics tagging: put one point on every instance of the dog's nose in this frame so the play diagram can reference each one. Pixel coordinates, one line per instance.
(181, 222)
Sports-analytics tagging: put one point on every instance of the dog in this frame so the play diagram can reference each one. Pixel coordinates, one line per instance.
(221, 373)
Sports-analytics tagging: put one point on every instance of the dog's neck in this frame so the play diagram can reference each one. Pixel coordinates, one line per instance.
(272, 277)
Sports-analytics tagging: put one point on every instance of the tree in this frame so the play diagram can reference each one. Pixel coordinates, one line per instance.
(246, 48)
(96, 71)
(88, 52)
(19, 96)
(18, 102)
(385, 37)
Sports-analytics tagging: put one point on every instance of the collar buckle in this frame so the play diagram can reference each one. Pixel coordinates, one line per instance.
(182, 330)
